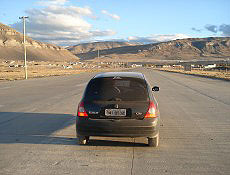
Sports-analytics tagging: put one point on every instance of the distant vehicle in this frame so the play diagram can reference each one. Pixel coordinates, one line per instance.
(119, 104)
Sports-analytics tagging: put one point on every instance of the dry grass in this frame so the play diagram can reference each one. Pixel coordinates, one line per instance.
(43, 69)
(211, 74)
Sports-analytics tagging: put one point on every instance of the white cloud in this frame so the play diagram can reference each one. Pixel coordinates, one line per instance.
(58, 23)
(157, 38)
(51, 2)
(103, 33)
(114, 16)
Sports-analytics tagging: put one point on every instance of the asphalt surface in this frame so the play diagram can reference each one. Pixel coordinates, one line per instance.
(37, 129)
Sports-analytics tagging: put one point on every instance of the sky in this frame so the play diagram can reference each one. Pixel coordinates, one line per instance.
(70, 22)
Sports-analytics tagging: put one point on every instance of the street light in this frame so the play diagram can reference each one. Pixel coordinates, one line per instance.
(24, 41)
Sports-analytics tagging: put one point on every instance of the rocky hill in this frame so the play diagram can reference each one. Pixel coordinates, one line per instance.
(95, 46)
(11, 48)
(181, 49)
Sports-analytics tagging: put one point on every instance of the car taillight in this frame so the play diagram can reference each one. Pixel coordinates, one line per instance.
(81, 112)
(151, 113)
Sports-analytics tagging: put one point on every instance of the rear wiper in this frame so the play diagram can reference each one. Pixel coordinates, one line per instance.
(119, 91)
(115, 99)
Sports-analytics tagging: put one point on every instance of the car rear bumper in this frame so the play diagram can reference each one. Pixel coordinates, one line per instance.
(117, 128)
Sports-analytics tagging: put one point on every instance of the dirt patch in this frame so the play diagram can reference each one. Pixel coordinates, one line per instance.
(14, 70)
(224, 75)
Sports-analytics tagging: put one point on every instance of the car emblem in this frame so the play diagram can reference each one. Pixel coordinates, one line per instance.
(138, 113)
(116, 106)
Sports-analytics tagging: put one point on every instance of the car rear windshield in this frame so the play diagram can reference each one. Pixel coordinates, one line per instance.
(116, 89)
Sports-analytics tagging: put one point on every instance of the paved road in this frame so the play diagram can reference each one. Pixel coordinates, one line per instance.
(37, 131)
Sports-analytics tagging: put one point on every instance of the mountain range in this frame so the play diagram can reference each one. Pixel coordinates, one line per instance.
(212, 48)
(95, 46)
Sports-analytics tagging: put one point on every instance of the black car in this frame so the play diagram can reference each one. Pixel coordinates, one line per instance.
(119, 104)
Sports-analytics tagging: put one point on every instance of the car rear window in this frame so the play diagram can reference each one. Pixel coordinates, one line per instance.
(116, 89)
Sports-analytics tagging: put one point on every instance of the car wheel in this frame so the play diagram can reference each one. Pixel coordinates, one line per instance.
(87, 139)
(153, 142)
(82, 140)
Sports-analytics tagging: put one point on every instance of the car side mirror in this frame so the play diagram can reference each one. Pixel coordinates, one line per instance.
(155, 88)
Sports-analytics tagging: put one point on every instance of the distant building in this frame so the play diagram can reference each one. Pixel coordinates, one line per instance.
(136, 65)
(159, 65)
(210, 66)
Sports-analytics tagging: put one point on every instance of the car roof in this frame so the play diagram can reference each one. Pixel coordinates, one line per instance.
(120, 74)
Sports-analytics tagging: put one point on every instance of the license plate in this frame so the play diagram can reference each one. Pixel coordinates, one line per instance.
(115, 112)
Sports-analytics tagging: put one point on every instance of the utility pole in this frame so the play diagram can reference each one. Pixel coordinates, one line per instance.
(98, 53)
(24, 42)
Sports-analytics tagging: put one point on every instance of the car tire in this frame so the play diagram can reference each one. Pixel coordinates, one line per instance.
(87, 139)
(153, 142)
(82, 140)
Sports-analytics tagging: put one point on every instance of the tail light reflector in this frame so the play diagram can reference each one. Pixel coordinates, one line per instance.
(81, 112)
(151, 113)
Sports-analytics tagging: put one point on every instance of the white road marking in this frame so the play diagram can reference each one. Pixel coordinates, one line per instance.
(5, 88)
(82, 84)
